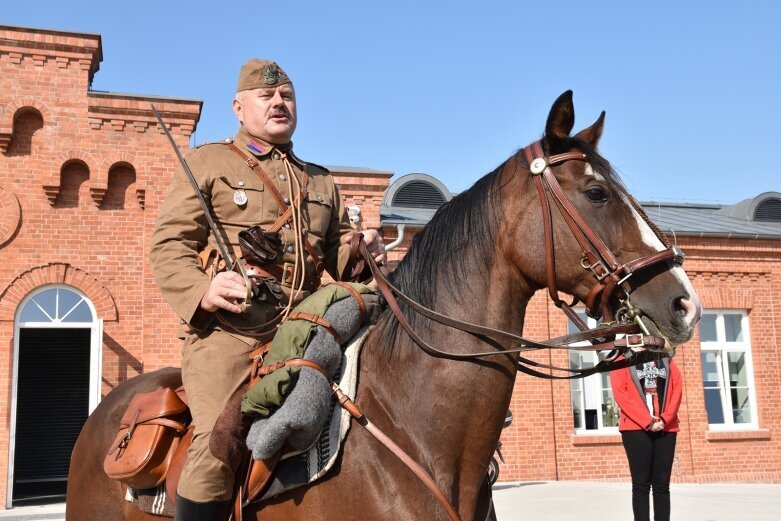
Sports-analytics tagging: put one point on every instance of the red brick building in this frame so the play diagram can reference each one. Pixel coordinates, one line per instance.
(82, 176)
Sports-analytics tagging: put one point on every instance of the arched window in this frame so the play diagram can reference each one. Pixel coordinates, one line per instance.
(56, 306)
(419, 194)
(768, 210)
(56, 385)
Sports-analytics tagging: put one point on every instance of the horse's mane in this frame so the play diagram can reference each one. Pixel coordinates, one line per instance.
(460, 231)
(461, 237)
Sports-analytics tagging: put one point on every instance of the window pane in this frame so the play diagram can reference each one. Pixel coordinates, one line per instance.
(577, 408)
(732, 328)
(67, 300)
(741, 405)
(708, 328)
(609, 410)
(737, 369)
(710, 369)
(571, 327)
(31, 313)
(713, 406)
(81, 313)
(574, 361)
(47, 299)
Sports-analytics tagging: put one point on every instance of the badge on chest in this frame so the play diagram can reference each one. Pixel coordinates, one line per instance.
(240, 196)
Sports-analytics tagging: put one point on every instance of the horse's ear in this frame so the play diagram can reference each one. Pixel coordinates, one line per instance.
(561, 118)
(592, 134)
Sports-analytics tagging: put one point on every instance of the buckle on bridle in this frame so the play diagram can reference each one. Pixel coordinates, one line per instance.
(635, 340)
(592, 267)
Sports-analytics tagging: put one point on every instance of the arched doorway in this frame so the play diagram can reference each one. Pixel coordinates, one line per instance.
(56, 384)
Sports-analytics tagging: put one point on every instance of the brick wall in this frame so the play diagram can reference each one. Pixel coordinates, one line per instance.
(82, 175)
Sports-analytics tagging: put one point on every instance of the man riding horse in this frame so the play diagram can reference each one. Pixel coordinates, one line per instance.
(297, 221)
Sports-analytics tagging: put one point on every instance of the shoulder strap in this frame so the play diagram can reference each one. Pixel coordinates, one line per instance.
(287, 212)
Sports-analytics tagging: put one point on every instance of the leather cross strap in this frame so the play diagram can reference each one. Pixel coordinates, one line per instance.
(350, 406)
(268, 369)
(287, 211)
(318, 320)
(364, 314)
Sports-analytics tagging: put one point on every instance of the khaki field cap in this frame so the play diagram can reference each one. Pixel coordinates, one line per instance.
(261, 74)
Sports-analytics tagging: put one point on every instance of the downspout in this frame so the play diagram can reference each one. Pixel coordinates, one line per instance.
(400, 232)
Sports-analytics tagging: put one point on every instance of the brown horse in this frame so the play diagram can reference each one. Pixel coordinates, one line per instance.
(481, 258)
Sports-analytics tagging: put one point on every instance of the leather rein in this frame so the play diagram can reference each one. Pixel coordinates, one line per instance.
(597, 257)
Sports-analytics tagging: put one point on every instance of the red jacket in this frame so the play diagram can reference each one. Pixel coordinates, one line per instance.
(634, 411)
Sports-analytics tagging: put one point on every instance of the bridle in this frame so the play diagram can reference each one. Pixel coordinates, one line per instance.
(597, 258)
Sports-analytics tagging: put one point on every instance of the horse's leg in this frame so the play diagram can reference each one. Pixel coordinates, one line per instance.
(92, 495)
(485, 503)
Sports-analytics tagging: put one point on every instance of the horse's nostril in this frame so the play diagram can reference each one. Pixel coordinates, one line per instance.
(687, 310)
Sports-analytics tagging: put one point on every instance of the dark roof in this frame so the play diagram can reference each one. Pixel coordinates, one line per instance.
(680, 219)
(703, 220)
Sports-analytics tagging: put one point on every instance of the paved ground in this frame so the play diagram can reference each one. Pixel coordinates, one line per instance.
(571, 501)
(578, 501)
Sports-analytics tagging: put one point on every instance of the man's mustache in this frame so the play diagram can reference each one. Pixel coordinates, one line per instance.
(279, 112)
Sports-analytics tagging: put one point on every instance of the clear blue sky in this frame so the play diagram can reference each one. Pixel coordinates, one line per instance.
(692, 89)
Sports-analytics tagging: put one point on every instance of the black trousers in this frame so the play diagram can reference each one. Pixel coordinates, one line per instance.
(650, 456)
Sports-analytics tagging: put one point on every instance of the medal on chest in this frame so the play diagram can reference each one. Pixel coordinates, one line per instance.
(240, 196)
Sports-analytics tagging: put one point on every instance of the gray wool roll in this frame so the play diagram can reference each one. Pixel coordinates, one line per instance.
(305, 411)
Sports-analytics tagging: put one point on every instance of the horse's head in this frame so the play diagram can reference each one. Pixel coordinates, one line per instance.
(598, 244)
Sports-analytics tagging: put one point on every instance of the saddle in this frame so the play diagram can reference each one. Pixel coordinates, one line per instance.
(172, 439)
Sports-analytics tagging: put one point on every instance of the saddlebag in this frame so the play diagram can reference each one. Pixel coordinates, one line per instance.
(149, 433)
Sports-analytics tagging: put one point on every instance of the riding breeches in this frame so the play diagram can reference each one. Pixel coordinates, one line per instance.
(214, 366)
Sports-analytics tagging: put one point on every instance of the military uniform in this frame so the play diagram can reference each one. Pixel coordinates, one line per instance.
(215, 354)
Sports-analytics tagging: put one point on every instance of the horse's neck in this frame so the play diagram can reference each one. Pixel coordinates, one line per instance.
(452, 409)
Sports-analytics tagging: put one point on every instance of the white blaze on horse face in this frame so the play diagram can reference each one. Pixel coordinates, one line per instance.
(590, 172)
(650, 239)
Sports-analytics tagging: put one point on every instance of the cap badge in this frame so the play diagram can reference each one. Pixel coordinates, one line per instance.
(270, 73)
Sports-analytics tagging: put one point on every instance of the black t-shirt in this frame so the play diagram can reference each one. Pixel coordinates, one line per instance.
(653, 378)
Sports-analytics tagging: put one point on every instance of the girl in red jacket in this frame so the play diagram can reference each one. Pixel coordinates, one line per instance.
(649, 395)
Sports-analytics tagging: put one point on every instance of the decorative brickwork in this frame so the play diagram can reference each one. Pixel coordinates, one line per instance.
(10, 215)
(57, 273)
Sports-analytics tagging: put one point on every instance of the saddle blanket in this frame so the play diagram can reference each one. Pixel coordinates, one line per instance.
(295, 469)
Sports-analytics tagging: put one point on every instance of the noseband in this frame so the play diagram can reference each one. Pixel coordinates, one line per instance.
(597, 257)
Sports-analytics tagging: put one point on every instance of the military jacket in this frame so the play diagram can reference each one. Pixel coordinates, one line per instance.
(239, 199)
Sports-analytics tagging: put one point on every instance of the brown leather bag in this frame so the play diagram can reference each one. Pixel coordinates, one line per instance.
(260, 247)
(149, 433)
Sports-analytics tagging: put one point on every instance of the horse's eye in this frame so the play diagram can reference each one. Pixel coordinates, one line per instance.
(596, 194)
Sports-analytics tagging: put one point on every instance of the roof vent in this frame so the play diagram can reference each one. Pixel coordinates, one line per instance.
(768, 210)
(418, 194)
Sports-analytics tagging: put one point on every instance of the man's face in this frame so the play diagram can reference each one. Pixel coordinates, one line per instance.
(268, 114)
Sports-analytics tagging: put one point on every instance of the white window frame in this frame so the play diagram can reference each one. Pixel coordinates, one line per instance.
(96, 363)
(590, 387)
(724, 347)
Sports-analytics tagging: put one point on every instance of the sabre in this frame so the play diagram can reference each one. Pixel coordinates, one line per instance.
(207, 212)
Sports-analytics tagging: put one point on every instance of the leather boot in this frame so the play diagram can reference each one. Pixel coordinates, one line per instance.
(187, 510)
